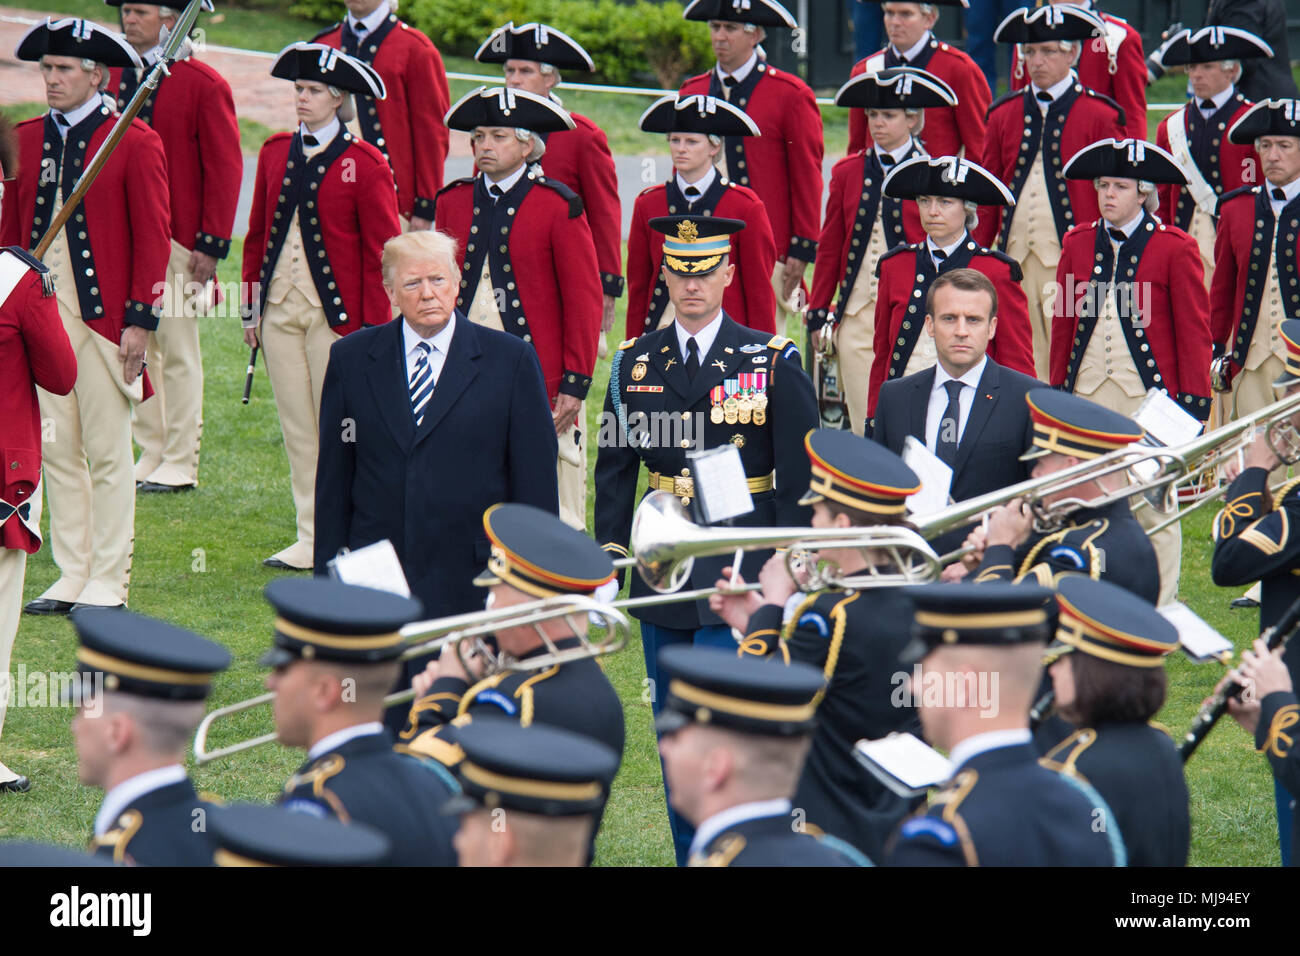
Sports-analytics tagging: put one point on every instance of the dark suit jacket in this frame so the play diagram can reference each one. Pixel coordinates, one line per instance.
(1260, 78)
(487, 437)
(997, 431)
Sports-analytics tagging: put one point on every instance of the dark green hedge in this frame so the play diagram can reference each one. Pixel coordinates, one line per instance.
(629, 43)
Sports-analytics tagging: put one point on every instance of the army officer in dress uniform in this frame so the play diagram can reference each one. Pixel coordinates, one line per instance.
(529, 265)
(862, 223)
(1196, 135)
(696, 127)
(853, 634)
(948, 192)
(335, 656)
(142, 687)
(323, 207)
(531, 796)
(1110, 681)
(1000, 807)
(1030, 135)
(734, 734)
(1102, 541)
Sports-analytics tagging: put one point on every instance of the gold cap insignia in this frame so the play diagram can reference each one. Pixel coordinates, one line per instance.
(686, 232)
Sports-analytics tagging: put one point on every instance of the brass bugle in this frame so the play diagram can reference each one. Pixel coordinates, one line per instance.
(453, 630)
(665, 543)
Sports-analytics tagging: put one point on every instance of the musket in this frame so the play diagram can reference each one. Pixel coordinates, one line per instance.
(172, 50)
(1274, 636)
(248, 379)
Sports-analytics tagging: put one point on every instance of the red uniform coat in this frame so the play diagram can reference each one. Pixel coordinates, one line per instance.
(193, 113)
(897, 306)
(1224, 165)
(852, 209)
(551, 268)
(358, 214)
(1168, 271)
(580, 158)
(749, 300)
(947, 128)
(1242, 245)
(124, 217)
(414, 136)
(1081, 117)
(1127, 85)
(34, 350)
(784, 165)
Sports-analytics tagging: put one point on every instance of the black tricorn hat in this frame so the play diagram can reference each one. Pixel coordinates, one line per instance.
(897, 88)
(325, 64)
(1211, 44)
(537, 42)
(177, 5)
(500, 106)
(1267, 118)
(697, 113)
(80, 38)
(761, 13)
(1051, 21)
(1125, 158)
(947, 176)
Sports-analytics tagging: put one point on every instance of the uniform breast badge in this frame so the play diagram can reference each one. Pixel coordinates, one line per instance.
(716, 396)
(638, 371)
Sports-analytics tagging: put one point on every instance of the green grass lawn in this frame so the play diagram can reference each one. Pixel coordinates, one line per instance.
(198, 564)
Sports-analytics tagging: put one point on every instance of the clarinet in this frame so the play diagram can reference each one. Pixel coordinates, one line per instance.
(1043, 708)
(248, 376)
(1275, 636)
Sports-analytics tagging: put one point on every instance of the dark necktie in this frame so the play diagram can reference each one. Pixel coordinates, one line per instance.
(691, 193)
(359, 29)
(1117, 234)
(692, 358)
(887, 160)
(310, 141)
(421, 384)
(730, 82)
(62, 120)
(939, 255)
(1278, 194)
(1043, 96)
(1208, 105)
(945, 443)
(495, 192)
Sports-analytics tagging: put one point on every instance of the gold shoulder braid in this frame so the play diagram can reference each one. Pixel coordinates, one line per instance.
(128, 825)
(730, 848)
(1071, 748)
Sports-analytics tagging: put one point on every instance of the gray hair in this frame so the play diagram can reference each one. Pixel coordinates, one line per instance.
(972, 214)
(347, 110)
(549, 69)
(428, 242)
(539, 144)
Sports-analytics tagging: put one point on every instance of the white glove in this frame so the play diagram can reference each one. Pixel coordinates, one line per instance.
(604, 594)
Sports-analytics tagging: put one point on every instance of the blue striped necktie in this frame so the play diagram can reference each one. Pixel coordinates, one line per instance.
(421, 383)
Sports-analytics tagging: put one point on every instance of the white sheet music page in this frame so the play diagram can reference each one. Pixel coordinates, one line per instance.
(1199, 640)
(720, 484)
(374, 566)
(935, 475)
(908, 759)
(1164, 420)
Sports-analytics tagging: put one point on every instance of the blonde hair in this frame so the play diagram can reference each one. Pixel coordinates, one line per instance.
(421, 242)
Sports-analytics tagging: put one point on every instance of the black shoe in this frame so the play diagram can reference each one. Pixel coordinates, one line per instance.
(105, 607)
(281, 566)
(47, 606)
(153, 487)
(1244, 602)
(21, 785)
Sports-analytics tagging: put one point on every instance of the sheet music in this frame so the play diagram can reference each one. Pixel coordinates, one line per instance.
(1199, 640)
(935, 475)
(1165, 421)
(720, 485)
(907, 759)
(374, 566)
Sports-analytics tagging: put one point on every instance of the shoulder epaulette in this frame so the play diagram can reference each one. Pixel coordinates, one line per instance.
(1004, 98)
(329, 29)
(1108, 101)
(465, 180)
(1000, 256)
(890, 253)
(1233, 194)
(651, 188)
(40, 268)
(778, 342)
(1285, 490)
(572, 198)
(1073, 229)
(626, 344)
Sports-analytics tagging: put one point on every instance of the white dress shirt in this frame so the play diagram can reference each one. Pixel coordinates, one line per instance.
(741, 72)
(132, 789)
(337, 739)
(324, 136)
(1057, 90)
(1291, 189)
(990, 740)
(703, 338)
(371, 21)
(714, 826)
(76, 116)
(508, 183)
(939, 401)
(439, 343)
(912, 52)
(702, 184)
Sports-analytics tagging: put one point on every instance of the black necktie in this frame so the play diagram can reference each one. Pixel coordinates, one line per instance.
(1278, 194)
(496, 192)
(939, 255)
(692, 358)
(691, 193)
(887, 160)
(1117, 234)
(359, 29)
(1043, 96)
(61, 120)
(730, 82)
(1208, 105)
(945, 444)
(309, 140)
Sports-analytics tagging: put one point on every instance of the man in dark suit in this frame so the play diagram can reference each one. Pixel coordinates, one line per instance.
(951, 405)
(424, 423)
(1267, 78)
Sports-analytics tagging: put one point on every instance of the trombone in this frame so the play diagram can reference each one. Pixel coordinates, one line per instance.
(433, 635)
(666, 543)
